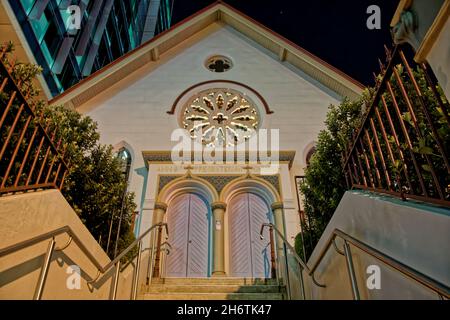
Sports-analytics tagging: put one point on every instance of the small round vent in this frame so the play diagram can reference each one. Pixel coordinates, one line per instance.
(219, 64)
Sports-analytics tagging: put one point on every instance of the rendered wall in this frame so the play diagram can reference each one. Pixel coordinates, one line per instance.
(414, 234)
(439, 58)
(25, 216)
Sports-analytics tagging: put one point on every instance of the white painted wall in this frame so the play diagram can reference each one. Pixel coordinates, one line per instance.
(135, 109)
(415, 234)
(439, 58)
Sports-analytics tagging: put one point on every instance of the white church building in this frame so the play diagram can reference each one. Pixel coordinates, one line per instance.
(224, 73)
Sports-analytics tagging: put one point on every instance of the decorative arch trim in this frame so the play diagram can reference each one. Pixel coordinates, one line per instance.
(188, 185)
(253, 185)
(307, 150)
(124, 145)
(260, 97)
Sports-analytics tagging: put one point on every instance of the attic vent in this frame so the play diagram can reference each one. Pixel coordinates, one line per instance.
(219, 64)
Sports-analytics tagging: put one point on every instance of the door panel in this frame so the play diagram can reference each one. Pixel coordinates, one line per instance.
(187, 219)
(249, 254)
(260, 247)
(198, 238)
(177, 221)
(240, 249)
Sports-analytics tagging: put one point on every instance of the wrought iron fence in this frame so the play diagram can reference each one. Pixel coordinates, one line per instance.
(31, 153)
(402, 146)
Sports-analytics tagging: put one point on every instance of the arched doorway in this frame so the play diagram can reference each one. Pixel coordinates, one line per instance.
(188, 220)
(249, 254)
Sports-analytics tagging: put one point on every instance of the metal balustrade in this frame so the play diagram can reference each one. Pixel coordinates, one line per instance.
(102, 270)
(402, 147)
(31, 152)
(290, 268)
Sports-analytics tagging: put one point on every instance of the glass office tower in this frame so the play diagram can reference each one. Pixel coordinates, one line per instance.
(71, 39)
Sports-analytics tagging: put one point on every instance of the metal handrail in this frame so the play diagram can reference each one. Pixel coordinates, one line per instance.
(419, 277)
(371, 161)
(74, 238)
(153, 261)
(296, 256)
(132, 245)
(294, 253)
(441, 289)
(46, 236)
(303, 265)
(48, 145)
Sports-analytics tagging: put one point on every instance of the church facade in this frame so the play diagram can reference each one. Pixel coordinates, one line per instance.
(222, 79)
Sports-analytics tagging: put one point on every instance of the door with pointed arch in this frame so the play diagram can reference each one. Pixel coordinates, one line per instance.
(188, 222)
(249, 253)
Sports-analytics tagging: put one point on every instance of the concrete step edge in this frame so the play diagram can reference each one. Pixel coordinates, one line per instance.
(214, 289)
(213, 296)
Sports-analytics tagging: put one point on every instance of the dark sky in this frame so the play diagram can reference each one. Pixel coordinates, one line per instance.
(333, 30)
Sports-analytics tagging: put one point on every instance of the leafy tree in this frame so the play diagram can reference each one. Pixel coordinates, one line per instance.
(94, 186)
(324, 183)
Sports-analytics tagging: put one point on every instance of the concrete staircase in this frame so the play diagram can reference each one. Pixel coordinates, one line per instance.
(214, 289)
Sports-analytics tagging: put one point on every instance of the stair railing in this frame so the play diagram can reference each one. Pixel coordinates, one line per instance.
(158, 252)
(287, 259)
(102, 270)
(390, 152)
(32, 151)
(439, 288)
(286, 264)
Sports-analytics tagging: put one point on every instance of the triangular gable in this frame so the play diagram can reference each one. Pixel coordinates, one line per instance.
(151, 51)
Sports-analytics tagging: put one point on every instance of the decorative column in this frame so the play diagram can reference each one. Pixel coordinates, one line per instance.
(278, 212)
(218, 210)
(159, 212)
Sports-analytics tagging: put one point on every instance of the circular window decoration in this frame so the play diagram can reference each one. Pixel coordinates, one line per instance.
(219, 64)
(220, 117)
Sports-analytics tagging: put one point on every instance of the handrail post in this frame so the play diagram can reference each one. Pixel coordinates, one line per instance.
(286, 266)
(137, 271)
(152, 256)
(302, 282)
(156, 271)
(44, 270)
(116, 280)
(272, 254)
(351, 271)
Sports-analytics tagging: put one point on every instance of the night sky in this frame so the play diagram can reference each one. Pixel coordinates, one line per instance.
(333, 30)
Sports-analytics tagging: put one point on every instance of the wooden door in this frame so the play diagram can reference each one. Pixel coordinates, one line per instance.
(187, 219)
(249, 254)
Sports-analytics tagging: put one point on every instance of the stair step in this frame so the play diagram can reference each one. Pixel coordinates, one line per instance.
(212, 281)
(213, 296)
(212, 288)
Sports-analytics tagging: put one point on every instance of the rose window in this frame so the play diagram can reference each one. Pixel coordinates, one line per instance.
(220, 117)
